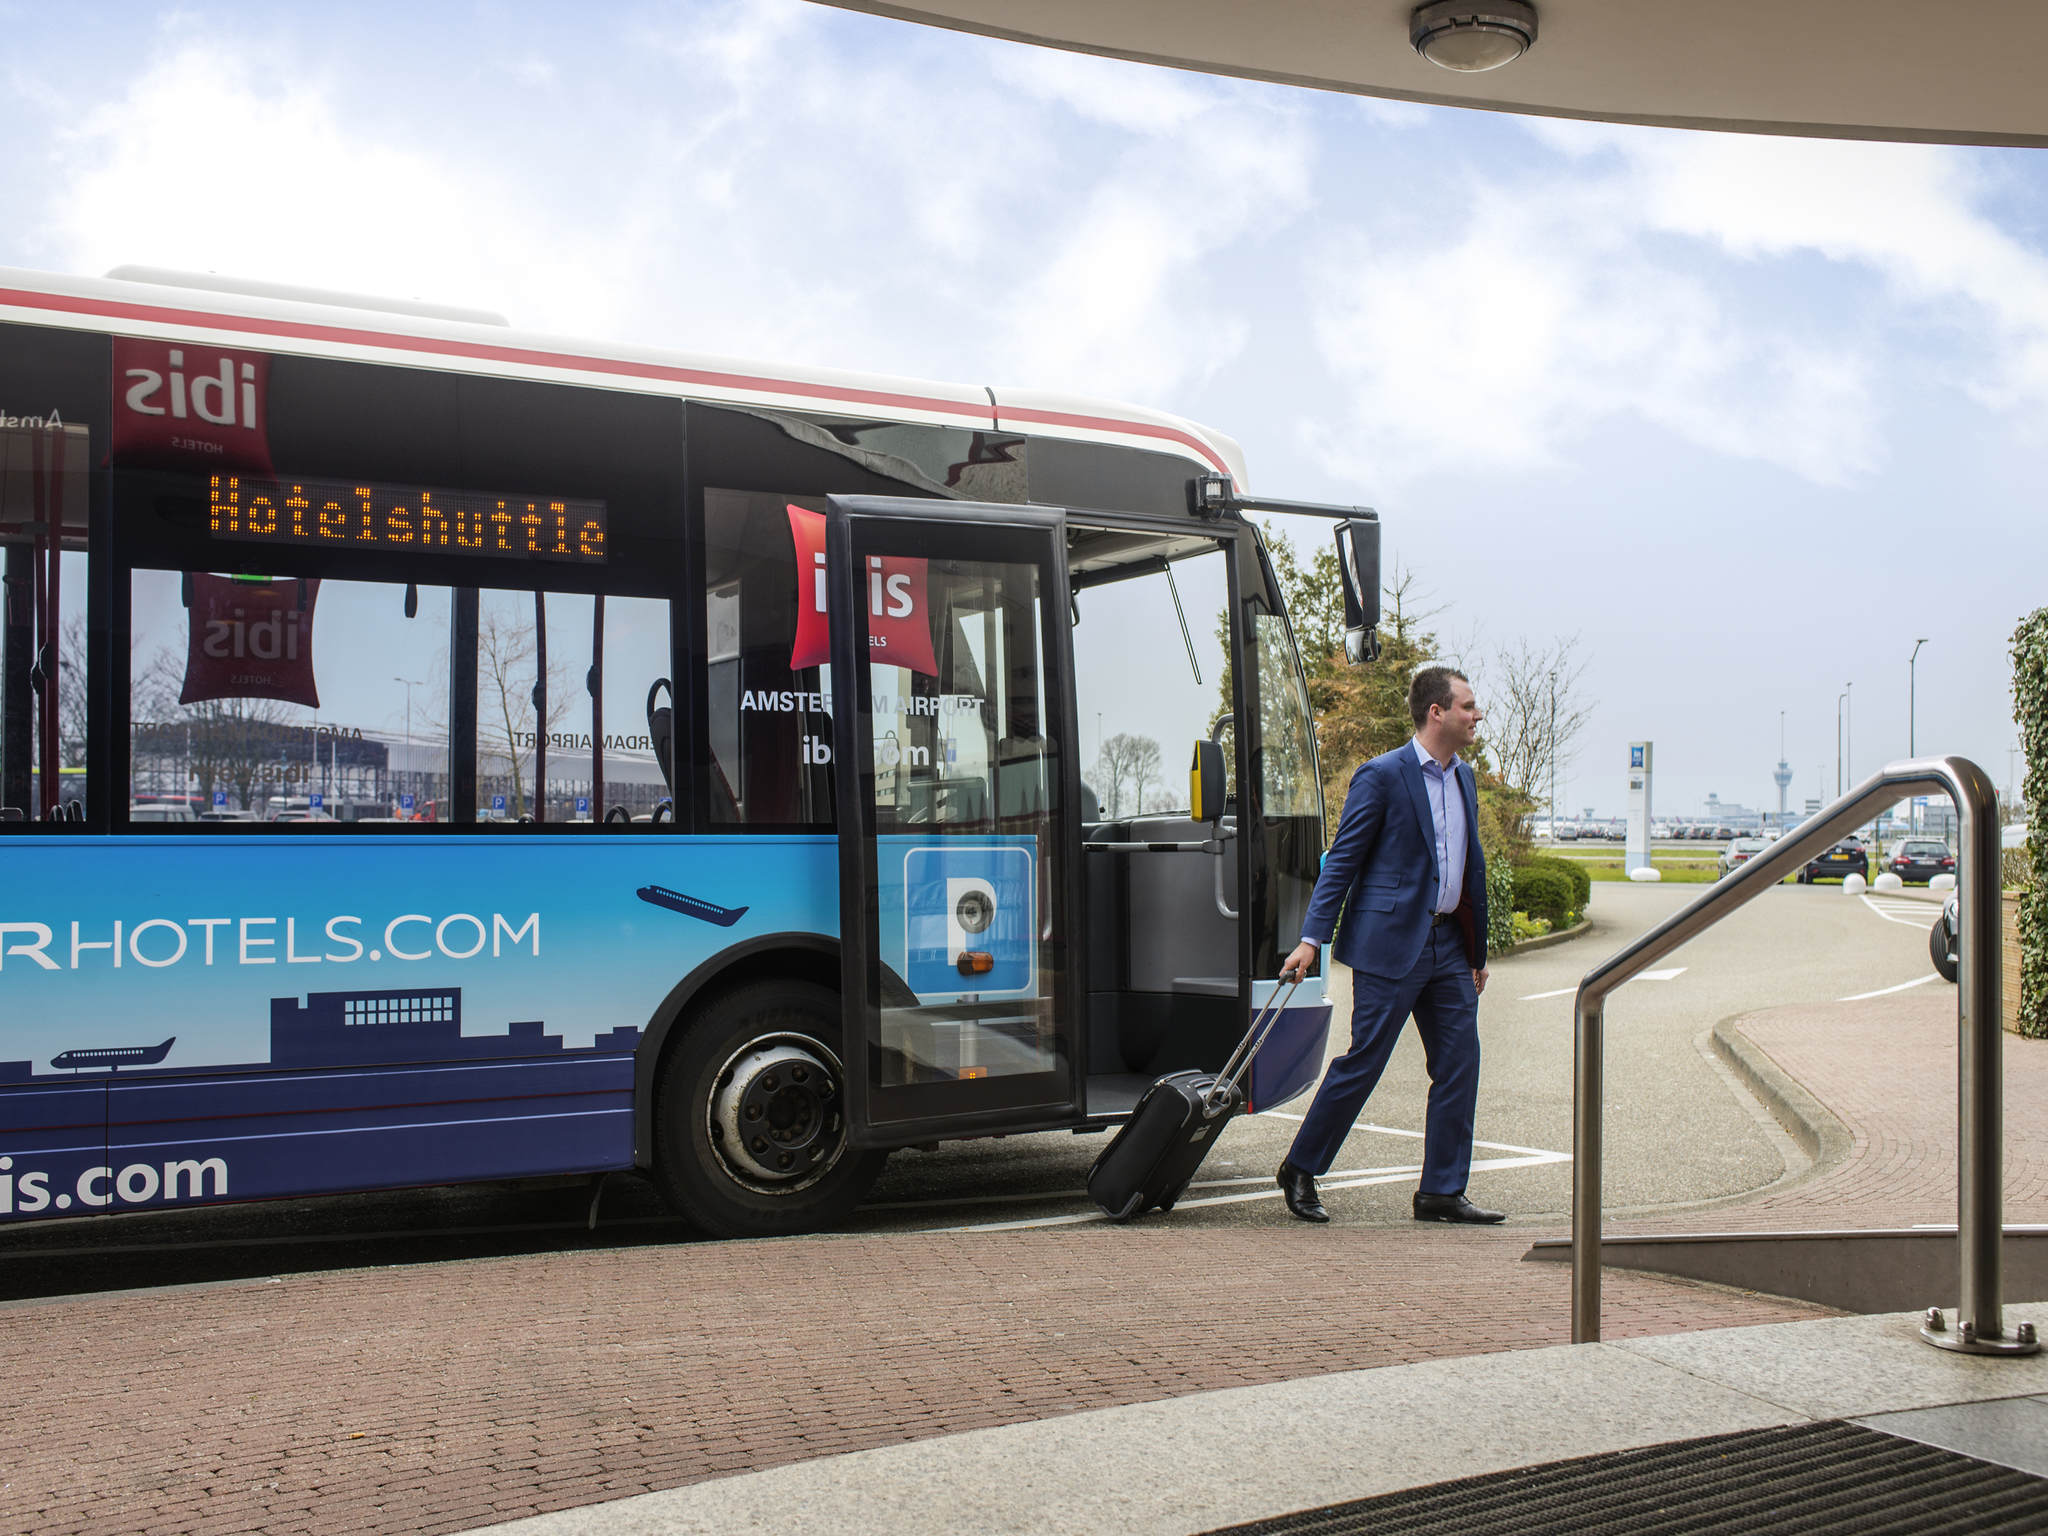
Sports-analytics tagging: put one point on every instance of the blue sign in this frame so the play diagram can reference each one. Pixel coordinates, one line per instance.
(583, 805)
(1635, 757)
(316, 801)
(220, 797)
(970, 918)
(405, 802)
(497, 802)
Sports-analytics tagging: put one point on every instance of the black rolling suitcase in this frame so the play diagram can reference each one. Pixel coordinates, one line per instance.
(1151, 1159)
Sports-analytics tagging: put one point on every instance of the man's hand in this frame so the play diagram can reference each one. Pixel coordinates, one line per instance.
(1479, 980)
(1297, 964)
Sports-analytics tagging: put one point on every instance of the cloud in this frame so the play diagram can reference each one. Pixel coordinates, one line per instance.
(209, 162)
(1665, 276)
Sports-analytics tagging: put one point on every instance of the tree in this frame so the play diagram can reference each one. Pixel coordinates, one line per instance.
(1535, 712)
(1362, 711)
(1126, 765)
(507, 669)
(223, 743)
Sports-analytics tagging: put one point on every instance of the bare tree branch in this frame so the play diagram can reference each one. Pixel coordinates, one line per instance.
(1535, 712)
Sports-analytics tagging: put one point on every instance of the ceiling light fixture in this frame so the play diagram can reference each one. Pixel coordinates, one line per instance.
(1473, 35)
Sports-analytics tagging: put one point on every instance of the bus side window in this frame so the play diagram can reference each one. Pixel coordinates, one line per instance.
(293, 702)
(563, 693)
(769, 733)
(300, 703)
(44, 477)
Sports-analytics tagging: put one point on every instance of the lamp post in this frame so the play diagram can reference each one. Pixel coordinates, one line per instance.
(1553, 758)
(410, 684)
(1849, 738)
(1912, 702)
(1838, 742)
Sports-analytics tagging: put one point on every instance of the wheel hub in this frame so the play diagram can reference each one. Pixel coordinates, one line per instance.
(775, 1114)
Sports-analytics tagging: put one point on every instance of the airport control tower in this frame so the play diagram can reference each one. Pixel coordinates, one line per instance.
(1783, 776)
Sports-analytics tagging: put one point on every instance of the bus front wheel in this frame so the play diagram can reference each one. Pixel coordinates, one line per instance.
(750, 1135)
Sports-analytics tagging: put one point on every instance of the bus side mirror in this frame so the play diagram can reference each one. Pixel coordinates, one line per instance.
(1358, 565)
(1207, 785)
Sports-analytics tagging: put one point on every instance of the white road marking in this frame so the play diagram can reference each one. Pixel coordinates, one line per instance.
(1390, 1130)
(1909, 913)
(1917, 981)
(1666, 975)
(1357, 1178)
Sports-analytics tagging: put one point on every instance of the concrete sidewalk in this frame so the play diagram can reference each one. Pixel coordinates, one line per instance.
(1193, 1464)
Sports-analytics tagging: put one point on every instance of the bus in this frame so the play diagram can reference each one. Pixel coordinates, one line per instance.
(613, 759)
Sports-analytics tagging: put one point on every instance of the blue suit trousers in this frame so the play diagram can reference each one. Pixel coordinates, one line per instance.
(1440, 995)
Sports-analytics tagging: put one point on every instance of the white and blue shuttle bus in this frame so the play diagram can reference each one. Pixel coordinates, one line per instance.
(437, 753)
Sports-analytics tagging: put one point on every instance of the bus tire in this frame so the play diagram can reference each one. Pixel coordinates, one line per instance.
(750, 1130)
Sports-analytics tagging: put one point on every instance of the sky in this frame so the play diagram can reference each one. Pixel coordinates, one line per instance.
(1746, 416)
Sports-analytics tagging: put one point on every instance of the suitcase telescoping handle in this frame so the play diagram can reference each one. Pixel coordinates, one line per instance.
(1241, 1058)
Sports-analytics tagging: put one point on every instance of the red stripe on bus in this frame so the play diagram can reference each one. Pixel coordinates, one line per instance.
(254, 325)
(1117, 424)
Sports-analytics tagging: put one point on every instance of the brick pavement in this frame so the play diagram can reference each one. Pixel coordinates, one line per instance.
(1887, 1069)
(442, 1397)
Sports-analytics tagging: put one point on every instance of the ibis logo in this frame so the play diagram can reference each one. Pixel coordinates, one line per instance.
(178, 404)
(899, 624)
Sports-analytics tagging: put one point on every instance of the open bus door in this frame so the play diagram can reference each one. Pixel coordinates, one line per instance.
(957, 789)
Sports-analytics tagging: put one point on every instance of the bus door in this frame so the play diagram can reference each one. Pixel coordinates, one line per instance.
(956, 787)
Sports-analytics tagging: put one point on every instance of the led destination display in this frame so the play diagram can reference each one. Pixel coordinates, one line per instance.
(358, 514)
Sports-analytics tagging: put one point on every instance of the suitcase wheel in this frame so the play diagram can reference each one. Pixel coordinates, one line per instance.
(1166, 1205)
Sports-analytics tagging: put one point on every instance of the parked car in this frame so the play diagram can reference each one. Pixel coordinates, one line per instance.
(1944, 937)
(1740, 852)
(159, 812)
(1846, 858)
(1920, 859)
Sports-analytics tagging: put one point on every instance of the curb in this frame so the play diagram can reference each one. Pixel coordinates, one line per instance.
(1544, 941)
(1821, 1136)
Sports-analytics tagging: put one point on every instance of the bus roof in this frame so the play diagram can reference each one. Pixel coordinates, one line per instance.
(342, 329)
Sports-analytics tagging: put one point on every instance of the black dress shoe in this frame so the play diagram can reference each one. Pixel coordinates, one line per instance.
(1454, 1208)
(1300, 1190)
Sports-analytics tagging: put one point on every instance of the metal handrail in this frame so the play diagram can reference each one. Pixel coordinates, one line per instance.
(1980, 1140)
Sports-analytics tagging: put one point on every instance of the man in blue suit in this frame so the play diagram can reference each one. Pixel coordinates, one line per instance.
(1407, 871)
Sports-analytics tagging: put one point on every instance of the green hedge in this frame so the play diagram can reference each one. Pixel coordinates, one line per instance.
(1574, 871)
(2030, 713)
(1500, 905)
(1544, 893)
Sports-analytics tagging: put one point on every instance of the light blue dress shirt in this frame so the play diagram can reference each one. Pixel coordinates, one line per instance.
(1447, 810)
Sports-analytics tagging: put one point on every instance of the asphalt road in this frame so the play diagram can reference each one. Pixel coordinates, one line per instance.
(1680, 1129)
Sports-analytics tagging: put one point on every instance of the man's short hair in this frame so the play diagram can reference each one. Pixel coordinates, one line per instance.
(1431, 688)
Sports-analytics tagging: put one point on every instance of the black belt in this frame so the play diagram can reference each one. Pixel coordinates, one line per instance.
(1441, 919)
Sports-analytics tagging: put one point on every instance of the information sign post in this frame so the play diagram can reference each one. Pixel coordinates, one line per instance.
(1639, 761)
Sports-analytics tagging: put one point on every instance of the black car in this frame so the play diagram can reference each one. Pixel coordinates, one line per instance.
(1944, 938)
(1920, 859)
(1838, 863)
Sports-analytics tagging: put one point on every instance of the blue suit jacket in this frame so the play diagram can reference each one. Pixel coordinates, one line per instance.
(1381, 870)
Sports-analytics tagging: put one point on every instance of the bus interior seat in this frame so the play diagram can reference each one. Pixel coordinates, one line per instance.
(661, 730)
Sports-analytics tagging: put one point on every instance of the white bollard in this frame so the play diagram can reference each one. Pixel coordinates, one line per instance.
(1942, 883)
(1646, 872)
(1853, 885)
(1887, 882)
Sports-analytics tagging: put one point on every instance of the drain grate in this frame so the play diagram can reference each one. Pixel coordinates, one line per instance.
(1830, 1479)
